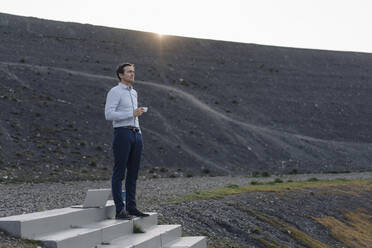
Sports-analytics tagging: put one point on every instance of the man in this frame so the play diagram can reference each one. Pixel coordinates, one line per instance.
(122, 109)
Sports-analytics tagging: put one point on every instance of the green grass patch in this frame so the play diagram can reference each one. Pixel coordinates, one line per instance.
(285, 227)
(222, 242)
(355, 230)
(256, 183)
(233, 186)
(278, 180)
(313, 179)
(267, 187)
(137, 229)
(265, 174)
(270, 242)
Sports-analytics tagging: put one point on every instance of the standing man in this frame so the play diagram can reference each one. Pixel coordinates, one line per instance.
(122, 109)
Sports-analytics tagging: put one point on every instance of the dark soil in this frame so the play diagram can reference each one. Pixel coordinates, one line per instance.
(217, 107)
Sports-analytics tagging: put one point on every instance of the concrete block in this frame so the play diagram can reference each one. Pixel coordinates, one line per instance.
(93, 225)
(147, 222)
(96, 198)
(171, 234)
(112, 229)
(35, 224)
(79, 238)
(12, 227)
(188, 242)
(150, 239)
(93, 234)
(110, 209)
(89, 235)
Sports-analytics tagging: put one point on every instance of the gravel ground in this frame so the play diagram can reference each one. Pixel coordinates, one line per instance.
(24, 198)
(234, 220)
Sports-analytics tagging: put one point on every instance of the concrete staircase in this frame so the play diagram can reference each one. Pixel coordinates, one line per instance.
(82, 227)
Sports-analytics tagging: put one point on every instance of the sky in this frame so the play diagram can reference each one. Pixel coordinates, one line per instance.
(342, 25)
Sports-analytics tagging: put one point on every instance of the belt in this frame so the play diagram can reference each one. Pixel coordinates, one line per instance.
(134, 129)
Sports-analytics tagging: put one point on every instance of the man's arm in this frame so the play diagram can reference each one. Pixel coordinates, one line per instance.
(112, 101)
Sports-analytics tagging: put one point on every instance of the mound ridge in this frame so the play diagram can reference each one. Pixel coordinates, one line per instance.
(229, 107)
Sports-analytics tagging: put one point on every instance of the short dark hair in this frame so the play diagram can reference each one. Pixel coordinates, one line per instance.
(120, 68)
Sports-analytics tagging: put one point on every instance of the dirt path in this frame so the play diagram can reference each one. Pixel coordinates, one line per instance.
(186, 96)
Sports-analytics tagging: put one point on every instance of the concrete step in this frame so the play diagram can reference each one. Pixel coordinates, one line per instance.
(96, 233)
(40, 223)
(76, 237)
(154, 237)
(188, 242)
(92, 225)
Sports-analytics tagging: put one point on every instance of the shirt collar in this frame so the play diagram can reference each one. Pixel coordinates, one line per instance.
(125, 87)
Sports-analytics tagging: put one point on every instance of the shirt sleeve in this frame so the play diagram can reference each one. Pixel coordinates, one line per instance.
(111, 114)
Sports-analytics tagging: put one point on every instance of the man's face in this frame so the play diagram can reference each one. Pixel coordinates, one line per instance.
(128, 75)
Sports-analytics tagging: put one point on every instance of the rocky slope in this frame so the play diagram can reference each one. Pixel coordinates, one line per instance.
(213, 106)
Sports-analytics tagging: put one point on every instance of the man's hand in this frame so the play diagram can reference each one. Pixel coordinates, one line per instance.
(138, 112)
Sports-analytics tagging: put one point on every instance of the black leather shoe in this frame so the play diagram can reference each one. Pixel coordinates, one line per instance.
(123, 215)
(137, 213)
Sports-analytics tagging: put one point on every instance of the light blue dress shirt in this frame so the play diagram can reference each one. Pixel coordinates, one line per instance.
(121, 101)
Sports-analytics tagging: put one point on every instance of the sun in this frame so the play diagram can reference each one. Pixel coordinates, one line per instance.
(161, 31)
(160, 35)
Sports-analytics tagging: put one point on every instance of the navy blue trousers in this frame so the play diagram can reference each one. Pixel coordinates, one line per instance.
(127, 149)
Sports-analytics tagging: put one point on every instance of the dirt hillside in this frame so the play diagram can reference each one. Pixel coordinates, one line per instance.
(214, 106)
